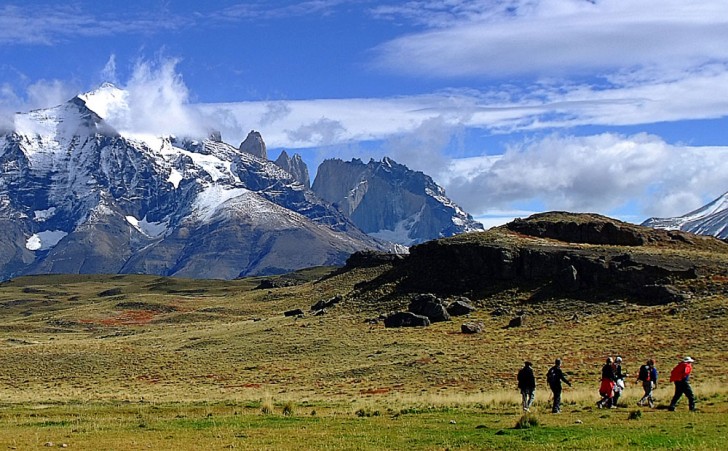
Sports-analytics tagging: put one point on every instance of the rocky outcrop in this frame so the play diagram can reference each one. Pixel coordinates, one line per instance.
(294, 166)
(460, 307)
(254, 145)
(430, 306)
(592, 229)
(389, 201)
(406, 319)
(503, 259)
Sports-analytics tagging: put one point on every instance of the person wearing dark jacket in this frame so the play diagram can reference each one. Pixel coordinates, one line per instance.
(554, 377)
(648, 376)
(680, 375)
(527, 386)
(606, 387)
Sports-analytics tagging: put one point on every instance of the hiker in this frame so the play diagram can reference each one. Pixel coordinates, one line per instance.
(648, 376)
(680, 375)
(554, 377)
(619, 379)
(527, 385)
(606, 387)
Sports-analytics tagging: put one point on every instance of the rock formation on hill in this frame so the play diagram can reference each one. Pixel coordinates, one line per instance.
(557, 254)
(389, 201)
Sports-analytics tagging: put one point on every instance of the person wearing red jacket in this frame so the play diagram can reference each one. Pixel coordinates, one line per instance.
(680, 375)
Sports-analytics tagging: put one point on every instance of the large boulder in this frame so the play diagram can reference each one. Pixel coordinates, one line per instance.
(406, 319)
(460, 307)
(430, 306)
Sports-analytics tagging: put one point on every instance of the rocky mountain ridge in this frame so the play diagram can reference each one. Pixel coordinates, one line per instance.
(710, 219)
(389, 201)
(77, 196)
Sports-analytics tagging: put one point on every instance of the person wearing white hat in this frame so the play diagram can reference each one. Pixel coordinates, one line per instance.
(619, 386)
(680, 375)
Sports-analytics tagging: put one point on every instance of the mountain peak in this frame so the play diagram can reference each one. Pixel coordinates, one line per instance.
(254, 144)
(105, 99)
(390, 201)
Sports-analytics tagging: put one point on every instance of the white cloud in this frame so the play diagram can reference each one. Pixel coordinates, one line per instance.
(604, 173)
(46, 93)
(108, 73)
(156, 103)
(48, 24)
(538, 37)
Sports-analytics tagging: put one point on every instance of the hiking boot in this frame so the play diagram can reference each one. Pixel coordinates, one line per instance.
(651, 404)
(671, 408)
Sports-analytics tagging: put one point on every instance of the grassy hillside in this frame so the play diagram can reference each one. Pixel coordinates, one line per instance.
(101, 361)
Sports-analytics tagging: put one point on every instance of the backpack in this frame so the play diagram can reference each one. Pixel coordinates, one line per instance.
(644, 373)
(551, 377)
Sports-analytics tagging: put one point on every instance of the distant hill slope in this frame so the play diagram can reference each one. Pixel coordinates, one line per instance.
(711, 219)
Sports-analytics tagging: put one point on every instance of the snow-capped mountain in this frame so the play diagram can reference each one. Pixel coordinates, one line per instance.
(389, 201)
(76, 196)
(711, 219)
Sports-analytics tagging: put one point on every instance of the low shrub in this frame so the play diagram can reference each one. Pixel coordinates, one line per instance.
(527, 421)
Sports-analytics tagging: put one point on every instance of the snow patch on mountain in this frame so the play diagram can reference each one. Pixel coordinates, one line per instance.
(175, 177)
(148, 229)
(400, 233)
(44, 215)
(211, 198)
(43, 241)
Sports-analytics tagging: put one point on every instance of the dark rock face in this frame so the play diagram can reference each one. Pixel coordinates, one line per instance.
(435, 267)
(254, 145)
(390, 201)
(406, 319)
(600, 230)
(430, 306)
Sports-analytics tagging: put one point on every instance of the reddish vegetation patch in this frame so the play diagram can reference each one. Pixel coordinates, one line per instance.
(152, 379)
(247, 385)
(130, 318)
(719, 278)
(375, 391)
(213, 376)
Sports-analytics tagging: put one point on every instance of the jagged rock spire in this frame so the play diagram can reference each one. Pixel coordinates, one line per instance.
(294, 166)
(255, 145)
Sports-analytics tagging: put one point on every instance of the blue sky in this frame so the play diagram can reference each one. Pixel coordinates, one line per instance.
(514, 106)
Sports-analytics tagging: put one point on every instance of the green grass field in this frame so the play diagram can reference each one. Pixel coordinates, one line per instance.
(143, 362)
